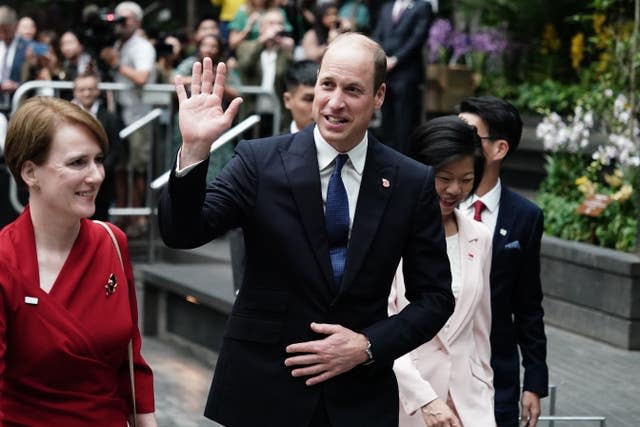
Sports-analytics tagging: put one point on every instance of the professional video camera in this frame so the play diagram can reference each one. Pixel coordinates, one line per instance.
(99, 32)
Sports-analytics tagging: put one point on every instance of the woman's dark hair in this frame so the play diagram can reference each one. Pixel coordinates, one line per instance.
(322, 32)
(222, 47)
(446, 139)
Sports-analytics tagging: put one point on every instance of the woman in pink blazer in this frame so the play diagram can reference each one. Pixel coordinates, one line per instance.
(448, 381)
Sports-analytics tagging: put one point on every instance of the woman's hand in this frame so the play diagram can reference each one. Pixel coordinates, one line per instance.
(438, 414)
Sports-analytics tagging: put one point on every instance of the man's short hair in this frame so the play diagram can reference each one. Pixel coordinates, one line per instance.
(303, 73)
(131, 7)
(88, 74)
(379, 56)
(502, 118)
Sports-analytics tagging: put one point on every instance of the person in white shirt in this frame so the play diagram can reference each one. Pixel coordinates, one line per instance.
(516, 224)
(327, 214)
(263, 62)
(132, 60)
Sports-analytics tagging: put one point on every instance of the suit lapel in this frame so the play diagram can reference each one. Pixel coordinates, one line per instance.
(469, 275)
(378, 179)
(301, 166)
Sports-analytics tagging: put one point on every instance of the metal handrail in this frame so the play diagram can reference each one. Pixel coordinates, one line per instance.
(162, 180)
(25, 87)
(556, 418)
(142, 121)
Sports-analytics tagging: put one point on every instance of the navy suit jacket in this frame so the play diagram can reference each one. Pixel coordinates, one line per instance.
(20, 56)
(271, 188)
(516, 301)
(404, 40)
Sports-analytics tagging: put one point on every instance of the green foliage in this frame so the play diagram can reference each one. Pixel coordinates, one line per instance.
(571, 178)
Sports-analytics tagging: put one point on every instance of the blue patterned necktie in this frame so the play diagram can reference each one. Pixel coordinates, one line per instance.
(337, 219)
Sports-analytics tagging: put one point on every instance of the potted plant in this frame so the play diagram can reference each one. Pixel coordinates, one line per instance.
(456, 62)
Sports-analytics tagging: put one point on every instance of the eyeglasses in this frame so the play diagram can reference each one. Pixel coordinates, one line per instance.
(490, 138)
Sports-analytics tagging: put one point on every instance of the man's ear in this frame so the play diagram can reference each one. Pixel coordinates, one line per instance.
(500, 149)
(379, 96)
(286, 98)
(28, 174)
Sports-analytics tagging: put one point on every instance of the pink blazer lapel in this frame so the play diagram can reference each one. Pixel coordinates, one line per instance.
(471, 275)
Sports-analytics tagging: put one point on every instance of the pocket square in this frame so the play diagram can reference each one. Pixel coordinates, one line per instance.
(513, 245)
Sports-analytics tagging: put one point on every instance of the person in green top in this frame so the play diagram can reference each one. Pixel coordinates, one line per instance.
(246, 23)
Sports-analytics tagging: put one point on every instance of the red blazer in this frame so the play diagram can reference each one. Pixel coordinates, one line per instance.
(63, 354)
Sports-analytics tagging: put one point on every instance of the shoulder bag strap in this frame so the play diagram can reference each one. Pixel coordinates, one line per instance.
(130, 346)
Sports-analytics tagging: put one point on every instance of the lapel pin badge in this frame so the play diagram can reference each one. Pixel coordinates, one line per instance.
(385, 183)
(111, 285)
(503, 232)
(31, 300)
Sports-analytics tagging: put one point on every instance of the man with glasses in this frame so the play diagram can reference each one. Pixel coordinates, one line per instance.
(516, 291)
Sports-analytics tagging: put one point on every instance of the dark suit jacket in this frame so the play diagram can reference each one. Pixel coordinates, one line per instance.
(404, 40)
(107, 194)
(271, 188)
(516, 301)
(18, 60)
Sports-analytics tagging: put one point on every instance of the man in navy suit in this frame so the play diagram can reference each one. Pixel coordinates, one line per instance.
(308, 341)
(402, 28)
(516, 291)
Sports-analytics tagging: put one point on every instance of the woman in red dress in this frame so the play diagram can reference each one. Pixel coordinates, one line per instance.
(67, 302)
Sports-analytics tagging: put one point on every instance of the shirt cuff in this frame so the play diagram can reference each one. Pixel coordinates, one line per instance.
(182, 172)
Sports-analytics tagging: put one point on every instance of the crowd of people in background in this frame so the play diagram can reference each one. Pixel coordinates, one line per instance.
(258, 40)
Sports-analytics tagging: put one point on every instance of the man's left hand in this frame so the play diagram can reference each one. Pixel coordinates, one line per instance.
(530, 409)
(341, 350)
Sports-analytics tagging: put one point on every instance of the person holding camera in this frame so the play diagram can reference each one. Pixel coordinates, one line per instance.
(263, 62)
(132, 60)
(327, 25)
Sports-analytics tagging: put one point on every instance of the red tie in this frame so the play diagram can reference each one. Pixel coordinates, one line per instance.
(478, 207)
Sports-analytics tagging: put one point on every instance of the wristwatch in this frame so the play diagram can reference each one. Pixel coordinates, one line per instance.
(369, 354)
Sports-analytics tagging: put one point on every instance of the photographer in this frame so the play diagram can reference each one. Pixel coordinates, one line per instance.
(327, 25)
(263, 62)
(132, 60)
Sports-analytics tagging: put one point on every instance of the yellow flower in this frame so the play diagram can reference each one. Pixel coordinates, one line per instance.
(614, 180)
(623, 193)
(598, 21)
(550, 39)
(585, 186)
(577, 50)
(605, 37)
